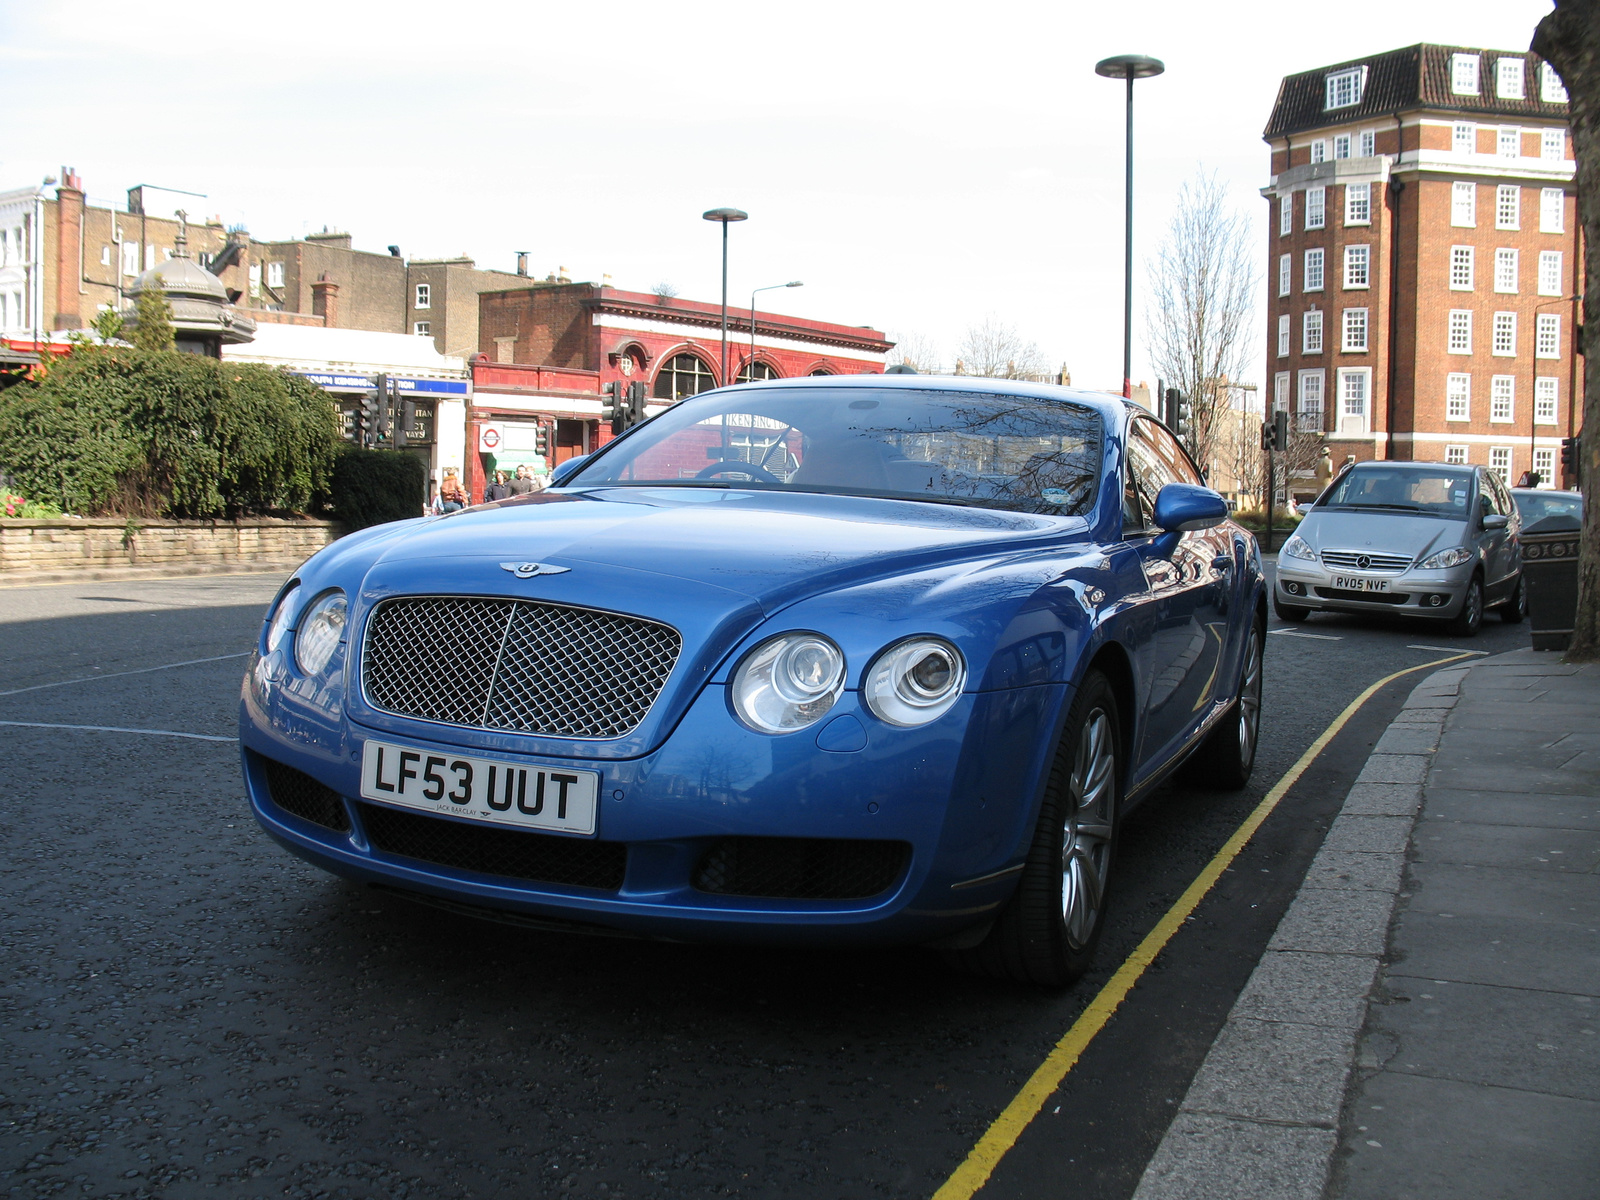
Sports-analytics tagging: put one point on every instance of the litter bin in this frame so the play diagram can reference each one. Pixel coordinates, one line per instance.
(1550, 575)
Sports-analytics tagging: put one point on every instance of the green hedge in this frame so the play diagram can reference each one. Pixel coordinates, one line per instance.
(374, 486)
(119, 431)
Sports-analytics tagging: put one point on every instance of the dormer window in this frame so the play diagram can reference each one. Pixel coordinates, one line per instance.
(1508, 78)
(1464, 74)
(1551, 89)
(1345, 87)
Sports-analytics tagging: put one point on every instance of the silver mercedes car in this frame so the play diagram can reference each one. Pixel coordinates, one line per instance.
(1417, 539)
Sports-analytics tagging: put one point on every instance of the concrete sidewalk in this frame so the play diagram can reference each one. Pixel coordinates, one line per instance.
(1424, 1023)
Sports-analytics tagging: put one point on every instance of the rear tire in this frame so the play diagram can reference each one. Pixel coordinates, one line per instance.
(1467, 621)
(1514, 610)
(1292, 613)
(1048, 931)
(1225, 760)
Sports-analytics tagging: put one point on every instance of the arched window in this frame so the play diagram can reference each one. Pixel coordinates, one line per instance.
(685, 375)
(822, 371)
(752, 371)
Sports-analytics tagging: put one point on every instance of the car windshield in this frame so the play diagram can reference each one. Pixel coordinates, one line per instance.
(1019, 453)
(1434, 493)
(1536, 506)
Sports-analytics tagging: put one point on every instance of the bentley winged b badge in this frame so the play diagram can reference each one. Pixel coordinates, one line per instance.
(527, 570)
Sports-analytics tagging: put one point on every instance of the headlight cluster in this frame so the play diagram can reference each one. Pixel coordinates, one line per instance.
(1452, 557)
(793, 680)
(281, 616)
(1298, 547)
(318, 632)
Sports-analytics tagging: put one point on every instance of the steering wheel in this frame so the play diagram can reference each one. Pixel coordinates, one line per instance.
(752, 469)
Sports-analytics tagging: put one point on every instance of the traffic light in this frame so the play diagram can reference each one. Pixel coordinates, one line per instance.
(366, 420)
(541, 442)
(1178, 412)
(1280, 431)
(636, 402)
(1268, 442)
(613, 407)
(1569, 457)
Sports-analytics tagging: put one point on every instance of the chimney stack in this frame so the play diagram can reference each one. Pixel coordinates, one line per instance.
(522, 262)
(325, 301)
(69, 249)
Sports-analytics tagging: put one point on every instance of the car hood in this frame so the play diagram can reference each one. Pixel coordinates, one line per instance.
(1385, 533)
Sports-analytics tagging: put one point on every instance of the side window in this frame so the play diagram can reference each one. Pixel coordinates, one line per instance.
(1151, 468)
(1503, 501)
(1133, 518)
(1488, 498)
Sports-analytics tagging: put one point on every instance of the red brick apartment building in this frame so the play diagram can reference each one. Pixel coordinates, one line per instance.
(547, 353)
(1424, 257)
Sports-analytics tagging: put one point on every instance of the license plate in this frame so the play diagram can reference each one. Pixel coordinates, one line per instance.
(484, 789)
(1359, 583)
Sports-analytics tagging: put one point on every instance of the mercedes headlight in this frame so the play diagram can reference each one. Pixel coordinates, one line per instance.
(1452, 557)
(278, 625)
(1298, 547)
(914, 681)
(788, 682)
(320, 632)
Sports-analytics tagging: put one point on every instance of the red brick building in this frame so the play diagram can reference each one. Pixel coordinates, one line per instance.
(1424, 257)
(546, 354)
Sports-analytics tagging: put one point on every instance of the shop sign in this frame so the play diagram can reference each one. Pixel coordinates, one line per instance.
(430, 387)
(328, 379)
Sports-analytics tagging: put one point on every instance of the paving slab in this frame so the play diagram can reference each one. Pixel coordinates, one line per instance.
(1541, 848)
(1383, 800)
(1335, 921)
(1313, 989)
(1394, 768)
(1205, 1157)
(1439, 943)
(1402, 739)
(1571, 811)
(1368, 834)
(1353, 869)
(1468, 890)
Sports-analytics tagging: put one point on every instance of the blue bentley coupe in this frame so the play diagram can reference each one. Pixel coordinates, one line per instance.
(883, 658)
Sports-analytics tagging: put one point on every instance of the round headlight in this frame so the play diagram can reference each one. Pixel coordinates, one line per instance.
(319, 632)
(914, 681)
(281, 616)
(787, 682)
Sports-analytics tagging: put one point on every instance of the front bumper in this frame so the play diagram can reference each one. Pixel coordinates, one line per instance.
(1303, 583)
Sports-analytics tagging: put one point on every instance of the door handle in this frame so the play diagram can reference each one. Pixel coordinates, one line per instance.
(1222, 562)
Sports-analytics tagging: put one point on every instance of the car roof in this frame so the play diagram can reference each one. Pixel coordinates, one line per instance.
(1451, 468)
(1103, 402)
(1520, 491)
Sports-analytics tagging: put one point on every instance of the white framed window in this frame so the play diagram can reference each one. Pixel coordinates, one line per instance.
(1547, 335)
(1508, 78)
(1357, 266)
(1312, 281)
(422, 328)
(1368, 142)
(1319, 150)
(1500, 463)
(1455, 456)
(1550, 272)
(1358, 204)
(1464, 205)
(1280, 392)
(1553, 144)
(1502, 399)
(1464, 137)
(1285, 273)
(275, 274)
(424, 296)
(1355, 387)
(1343, 88)
(1460, 341)
(1311, 333)
(1551, 89)
(130, 258)
(1286, 215)
(1283, 336)
(1544, 462)
(1508, 142)
(5, 310)
(1505, 270)
(1316, 207)
(1458, 397)
(1546, 396)
(1504, 342)
(105, 253)
(1355, 331)
(1310, 401)
(1552, 210)
(1341, 145)
(1464, 74)
(1508, 206)
(1461, 268)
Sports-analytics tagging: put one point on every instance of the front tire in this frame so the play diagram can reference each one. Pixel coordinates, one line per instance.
(1226, 759)
(1467, 621)
(1048, 932)
(1292, 613)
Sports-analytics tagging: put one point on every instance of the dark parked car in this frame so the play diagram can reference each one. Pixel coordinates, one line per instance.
(1539, 505)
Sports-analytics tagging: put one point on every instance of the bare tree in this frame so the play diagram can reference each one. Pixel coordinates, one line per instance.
(994, 349)
(918, 352)
(1201, 318)
(1569, 40)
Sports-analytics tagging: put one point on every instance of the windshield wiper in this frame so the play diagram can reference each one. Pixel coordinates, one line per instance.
(1364, 504)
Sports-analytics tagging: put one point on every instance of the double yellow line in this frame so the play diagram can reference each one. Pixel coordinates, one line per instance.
(998, 1139)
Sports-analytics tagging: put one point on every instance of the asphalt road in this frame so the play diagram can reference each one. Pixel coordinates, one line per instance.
(186, 1010)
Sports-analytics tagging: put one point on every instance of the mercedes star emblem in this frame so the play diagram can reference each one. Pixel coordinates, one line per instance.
(527, 570)
(1362, 561)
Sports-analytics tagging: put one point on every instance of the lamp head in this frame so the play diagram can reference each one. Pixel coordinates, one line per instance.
(1129, 66)
(726, 215)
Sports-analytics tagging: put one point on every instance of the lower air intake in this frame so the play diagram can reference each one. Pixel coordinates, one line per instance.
(302, 796)
(490, 850)
(801, 868)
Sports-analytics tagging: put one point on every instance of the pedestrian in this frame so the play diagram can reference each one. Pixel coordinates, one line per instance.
(497, 489)
(452, 496)
(522, 484)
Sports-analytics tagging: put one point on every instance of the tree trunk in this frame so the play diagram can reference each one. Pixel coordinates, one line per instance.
(1569, 40)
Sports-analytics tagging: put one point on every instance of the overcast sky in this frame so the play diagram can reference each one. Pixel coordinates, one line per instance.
(918, 165)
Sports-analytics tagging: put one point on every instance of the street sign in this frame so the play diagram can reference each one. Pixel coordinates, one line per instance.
(489, 438)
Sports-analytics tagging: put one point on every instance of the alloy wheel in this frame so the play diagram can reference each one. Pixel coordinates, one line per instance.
(1086, 839)
(1250, 699)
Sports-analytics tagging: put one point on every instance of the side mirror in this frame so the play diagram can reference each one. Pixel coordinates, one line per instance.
(1182, 507)
(567, 470)
(1495, 521)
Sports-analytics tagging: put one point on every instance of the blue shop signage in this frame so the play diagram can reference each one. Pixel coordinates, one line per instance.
(403, 386)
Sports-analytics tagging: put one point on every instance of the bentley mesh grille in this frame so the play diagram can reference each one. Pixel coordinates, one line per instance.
(297, 793)
(1351, 560)
(515, 664)
(488, 850)
(800, 868)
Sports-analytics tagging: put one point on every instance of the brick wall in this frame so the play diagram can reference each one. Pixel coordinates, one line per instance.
(66, 544)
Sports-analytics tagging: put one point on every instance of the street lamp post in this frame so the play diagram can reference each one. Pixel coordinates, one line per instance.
(1129, 67)
(725, 216)
(770, 287)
